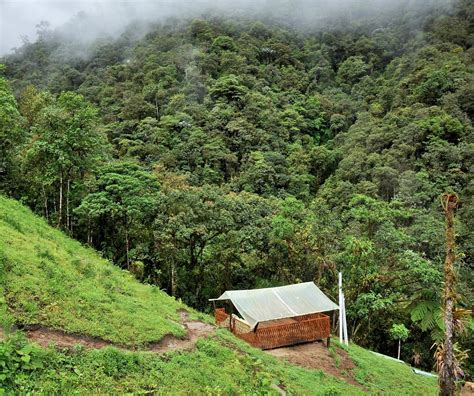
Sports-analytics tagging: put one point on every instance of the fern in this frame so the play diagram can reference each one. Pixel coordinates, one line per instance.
(428, 315)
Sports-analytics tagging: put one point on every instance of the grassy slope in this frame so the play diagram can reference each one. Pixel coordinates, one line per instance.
(388, 377)
(220, 365)
(217, 366)
(51, 280)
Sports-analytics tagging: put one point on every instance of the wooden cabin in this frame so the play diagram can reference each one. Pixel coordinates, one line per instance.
(277, 316)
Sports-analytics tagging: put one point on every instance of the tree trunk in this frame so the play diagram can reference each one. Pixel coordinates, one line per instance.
(127, 248)
(45, 198)
(399, 346)
(60, 212)
(68, 220)
(192, 254)
(174, 279)
(89, 232)
(446, 372)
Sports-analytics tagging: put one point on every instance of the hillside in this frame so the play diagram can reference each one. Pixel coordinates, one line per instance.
(51, 281)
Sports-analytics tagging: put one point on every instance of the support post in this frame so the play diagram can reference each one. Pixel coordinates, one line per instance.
(340, 308)
(344, 321)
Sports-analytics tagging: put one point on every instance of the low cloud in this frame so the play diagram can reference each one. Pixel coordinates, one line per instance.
(87, 20)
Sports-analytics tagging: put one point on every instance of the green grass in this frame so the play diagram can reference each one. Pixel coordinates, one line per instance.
(389, 377)
(220, 365)
(50, 279)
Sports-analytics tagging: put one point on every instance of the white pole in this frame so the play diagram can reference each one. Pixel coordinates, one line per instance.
(346, 338)
(340, 308)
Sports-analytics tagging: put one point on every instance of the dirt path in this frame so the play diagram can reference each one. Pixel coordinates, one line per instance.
(195, 329)
(315, 355)
(312, 355)
(46, 337)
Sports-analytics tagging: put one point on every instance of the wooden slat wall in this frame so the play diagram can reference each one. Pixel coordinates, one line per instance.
(220, 315)
(305, 328)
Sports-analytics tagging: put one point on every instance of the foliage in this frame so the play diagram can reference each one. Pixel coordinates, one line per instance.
(205, 234)
(18, 361)
(122, 198)
(10, 132)
(65, 145)
(399, 332)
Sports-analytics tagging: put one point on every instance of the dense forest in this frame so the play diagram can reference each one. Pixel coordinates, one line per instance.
(219, 153)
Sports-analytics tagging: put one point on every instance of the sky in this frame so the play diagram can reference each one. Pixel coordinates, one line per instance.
(18, 18)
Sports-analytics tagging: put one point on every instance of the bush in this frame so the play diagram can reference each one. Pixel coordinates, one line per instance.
(17, 360)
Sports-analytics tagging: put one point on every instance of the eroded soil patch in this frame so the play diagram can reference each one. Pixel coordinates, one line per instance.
(46, 337)
(195, 330)
(317, 356)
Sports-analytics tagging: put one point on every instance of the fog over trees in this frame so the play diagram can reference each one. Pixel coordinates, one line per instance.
(87, 20)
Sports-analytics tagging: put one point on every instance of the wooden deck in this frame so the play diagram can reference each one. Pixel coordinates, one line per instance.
(277, 333)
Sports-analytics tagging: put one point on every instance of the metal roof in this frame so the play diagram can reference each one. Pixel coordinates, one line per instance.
(259, 305)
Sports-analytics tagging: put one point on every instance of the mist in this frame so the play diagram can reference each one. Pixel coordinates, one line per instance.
(85, 21)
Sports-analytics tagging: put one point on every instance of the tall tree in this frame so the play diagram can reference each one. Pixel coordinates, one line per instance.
(122, 199)
(447, 366)
(66, 144)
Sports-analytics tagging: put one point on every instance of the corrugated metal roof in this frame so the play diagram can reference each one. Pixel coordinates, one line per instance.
(259, 305)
